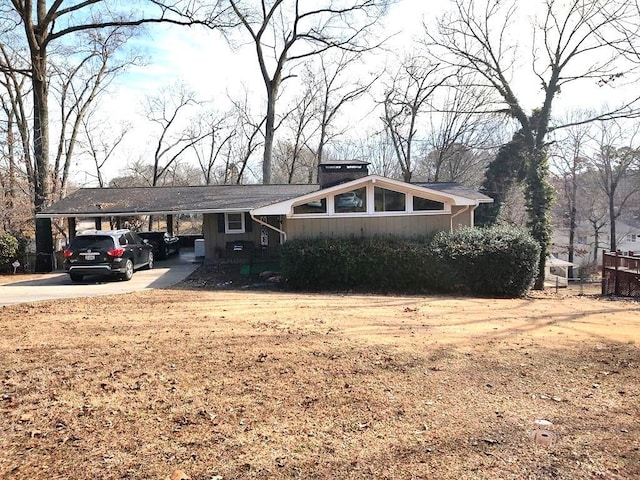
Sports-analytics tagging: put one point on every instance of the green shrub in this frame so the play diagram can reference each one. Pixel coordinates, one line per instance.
(500, 261)
(8, 251)
(380, 264)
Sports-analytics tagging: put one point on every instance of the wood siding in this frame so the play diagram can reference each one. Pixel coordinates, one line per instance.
(463, 217)
(336, 226)
(403, 226)
(215, 244)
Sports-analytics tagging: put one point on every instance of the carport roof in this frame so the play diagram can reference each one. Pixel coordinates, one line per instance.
(93, 202)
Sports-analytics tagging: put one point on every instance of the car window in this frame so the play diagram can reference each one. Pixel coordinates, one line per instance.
(101, 242)
(132, 238)
(123, 240)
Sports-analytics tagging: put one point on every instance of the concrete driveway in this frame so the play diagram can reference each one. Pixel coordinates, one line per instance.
(56, 285)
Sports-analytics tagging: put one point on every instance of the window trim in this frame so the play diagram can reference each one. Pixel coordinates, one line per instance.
(229, 230)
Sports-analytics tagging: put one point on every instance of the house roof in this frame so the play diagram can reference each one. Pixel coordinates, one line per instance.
(94, 202)
(456, 189)
(557, 262)
(90, 202)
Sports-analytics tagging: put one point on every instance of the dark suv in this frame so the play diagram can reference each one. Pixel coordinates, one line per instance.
(163, 243)
(107, 252)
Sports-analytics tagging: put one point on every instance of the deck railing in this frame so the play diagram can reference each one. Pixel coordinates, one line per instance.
(620, 274)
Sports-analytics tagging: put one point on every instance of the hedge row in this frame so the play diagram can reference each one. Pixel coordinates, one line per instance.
(498, 261)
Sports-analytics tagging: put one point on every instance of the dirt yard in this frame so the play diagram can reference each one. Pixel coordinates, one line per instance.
(219, 384)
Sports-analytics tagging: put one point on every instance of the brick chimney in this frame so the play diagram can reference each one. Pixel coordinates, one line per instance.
(334, 172)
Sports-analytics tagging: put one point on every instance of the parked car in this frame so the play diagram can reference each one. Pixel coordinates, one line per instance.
(348, 200)
(107, 252)
(163, 243)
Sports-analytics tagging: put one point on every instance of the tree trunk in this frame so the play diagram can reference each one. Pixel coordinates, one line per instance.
(539, 200)
(612, 223)
(44, 237)
(269, 133)
(573, 212)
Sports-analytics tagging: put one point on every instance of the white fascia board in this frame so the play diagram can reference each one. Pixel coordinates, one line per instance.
(405, 187)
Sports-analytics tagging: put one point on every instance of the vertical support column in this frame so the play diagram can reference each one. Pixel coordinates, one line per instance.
(170, 224)
(71, 226)
(44, 246)
(98, 223)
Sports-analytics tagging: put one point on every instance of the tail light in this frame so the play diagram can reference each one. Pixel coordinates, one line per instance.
(67, 253)
(115, 252)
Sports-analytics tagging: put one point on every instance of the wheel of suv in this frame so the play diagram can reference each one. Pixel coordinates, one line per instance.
(75, 277)
(128, 270)
(150, 264)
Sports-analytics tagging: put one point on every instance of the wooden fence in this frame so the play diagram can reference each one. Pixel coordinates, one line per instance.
(620, 274)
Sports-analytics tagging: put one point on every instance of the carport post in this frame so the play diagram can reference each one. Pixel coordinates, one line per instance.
(170, 224)
(71, 225)
(98, 223)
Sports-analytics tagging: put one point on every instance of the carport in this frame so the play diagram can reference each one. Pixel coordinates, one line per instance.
(214, 202)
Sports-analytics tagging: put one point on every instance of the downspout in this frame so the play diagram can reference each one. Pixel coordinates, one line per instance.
(283, 234)
(465, 209)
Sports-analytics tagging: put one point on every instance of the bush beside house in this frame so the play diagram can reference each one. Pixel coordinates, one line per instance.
(9, 247)
(499, 261)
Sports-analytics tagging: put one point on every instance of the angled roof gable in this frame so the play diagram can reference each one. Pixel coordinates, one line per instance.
(450, 193)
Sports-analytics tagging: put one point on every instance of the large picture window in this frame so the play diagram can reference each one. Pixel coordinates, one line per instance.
(316, 206)
(422, 204)
(234, 223)
(389, 200)
(353, 201)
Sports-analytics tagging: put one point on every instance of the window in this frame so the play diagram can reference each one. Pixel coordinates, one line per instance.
(353, 201)
(388, 200)
(633, 237)
(422, 204)
(234, 223)
(316, 206)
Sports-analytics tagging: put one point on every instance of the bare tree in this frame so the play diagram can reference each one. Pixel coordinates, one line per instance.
(77, 86)
(247, 139)
(374, 146)
(287, 31)
(406, 98)
(336, 90)
(461, 140)
(169, 111)
(292, 162)
(571, 42)
(215, 146)
(137, 173)
(45, 23)
(301, 122)
(617, 166)
(16, 108)
(101, 143)
(569, 160)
